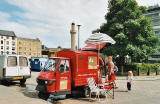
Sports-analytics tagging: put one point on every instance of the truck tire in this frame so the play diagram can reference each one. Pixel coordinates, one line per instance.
(86, 91)
(43, 95)
(5, 82)
(22, 81)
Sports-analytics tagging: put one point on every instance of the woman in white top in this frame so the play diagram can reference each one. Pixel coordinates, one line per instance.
(129, 80)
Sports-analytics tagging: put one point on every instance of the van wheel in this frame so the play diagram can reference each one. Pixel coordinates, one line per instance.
(22, 81)
(86, 91)
(43, 95)
(5, 82)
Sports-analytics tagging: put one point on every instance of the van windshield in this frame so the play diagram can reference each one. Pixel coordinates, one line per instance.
(51, 64)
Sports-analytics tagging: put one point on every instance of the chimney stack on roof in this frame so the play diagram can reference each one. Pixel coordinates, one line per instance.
(73, 37)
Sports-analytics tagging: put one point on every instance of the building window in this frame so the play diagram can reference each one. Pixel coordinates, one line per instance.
(20, 53)
(7, 42)
(1, 41)
(13, 53)
(13, 43)
(157, 32)
(1, 37)
(7, 52)
(13, 38)
(20, 48)
(7, 47)
(1, 52)
(20, 42)
(29, 53)
(13, 48)
(1, 47)
(7, 37)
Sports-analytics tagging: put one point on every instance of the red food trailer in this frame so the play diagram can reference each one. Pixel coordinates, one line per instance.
(68, 72)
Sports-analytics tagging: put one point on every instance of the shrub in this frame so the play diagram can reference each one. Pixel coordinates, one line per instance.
(142, 67)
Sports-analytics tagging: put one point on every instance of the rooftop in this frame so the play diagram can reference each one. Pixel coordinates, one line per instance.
(153, 8)
(36, 39)
(7, 33)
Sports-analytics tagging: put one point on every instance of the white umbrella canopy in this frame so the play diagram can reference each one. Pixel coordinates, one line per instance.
(98, 38)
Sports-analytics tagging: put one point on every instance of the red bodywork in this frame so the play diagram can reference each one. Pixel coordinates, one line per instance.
(82, 65)
(79, 66)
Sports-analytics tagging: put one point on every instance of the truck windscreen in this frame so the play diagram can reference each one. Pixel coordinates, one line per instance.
(51, 64)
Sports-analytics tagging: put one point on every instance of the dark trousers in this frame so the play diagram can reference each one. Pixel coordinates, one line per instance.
(129, 86)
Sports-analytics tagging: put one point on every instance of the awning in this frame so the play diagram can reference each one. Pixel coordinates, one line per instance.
(98, 38)
(94, 46)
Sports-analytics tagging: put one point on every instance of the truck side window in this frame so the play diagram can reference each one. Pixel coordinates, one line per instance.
(67, 65)
(64, 66)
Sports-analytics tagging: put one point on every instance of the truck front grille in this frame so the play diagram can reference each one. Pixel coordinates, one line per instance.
(40, 82)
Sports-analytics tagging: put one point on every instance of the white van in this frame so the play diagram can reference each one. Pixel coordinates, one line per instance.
(14, 67)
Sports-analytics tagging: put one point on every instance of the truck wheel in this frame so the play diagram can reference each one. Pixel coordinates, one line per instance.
(86, 91)
(22, 81)
(43, 95)
(5, 82)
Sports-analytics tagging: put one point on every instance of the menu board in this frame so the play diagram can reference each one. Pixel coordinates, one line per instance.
(92, 62)
(63, 84)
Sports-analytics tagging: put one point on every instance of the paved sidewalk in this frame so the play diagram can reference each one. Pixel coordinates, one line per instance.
(140, 78)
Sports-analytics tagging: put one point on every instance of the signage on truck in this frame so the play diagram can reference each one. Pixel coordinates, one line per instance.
(92, 62)
(63, 84)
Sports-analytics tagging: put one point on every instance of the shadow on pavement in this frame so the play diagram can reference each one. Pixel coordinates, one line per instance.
(121, 90)
(11, 83)
(30, 91)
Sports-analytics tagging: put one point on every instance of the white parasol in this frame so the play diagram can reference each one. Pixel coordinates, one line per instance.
(98, 38)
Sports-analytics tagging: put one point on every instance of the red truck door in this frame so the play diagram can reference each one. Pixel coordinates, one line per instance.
(63, 74)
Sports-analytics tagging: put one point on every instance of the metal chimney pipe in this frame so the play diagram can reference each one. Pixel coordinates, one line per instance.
(73, 37)
(78, 36)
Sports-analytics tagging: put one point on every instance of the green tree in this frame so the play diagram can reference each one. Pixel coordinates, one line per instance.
(131, 30)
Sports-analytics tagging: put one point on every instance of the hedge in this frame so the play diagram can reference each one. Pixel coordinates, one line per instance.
(144, 68)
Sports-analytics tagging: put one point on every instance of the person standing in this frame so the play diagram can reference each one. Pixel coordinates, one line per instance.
(129, 80)
(111, 70)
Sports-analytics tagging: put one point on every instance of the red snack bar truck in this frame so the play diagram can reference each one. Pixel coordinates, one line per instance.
(68, 72)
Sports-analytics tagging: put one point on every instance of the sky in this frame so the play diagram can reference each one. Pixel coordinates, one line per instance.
(50, 20)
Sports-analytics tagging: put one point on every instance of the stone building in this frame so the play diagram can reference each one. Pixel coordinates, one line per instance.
(50, 52)
(29, 47)
(7, 42)
(154, 15)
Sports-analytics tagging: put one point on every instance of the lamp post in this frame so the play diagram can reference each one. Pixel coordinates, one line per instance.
(78, 36)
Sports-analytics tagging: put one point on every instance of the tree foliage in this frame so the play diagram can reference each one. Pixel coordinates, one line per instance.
(131, 30)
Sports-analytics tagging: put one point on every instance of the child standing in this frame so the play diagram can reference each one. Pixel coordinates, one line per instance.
(129, 80)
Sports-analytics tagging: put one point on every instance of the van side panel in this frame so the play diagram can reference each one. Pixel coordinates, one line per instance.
(2, 62)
